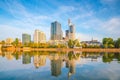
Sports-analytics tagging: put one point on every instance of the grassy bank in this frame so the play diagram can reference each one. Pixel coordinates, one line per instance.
(64, 49)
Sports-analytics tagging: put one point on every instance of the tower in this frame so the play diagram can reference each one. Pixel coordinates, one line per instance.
(56, 31)
(71, 30)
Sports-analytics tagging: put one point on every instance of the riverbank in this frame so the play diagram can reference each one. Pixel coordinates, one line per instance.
(64, 49)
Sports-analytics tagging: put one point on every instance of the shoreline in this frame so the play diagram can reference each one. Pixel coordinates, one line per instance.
(63, 49)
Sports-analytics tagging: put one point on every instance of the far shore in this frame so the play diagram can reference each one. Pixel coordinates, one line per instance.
(64, 49)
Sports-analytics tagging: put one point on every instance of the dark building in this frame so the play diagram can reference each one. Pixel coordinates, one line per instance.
(56, 31)
(26, 38)
(67, 33)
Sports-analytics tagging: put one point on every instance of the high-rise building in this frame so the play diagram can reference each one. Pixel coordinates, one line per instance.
(56, 31)
(66, 34)
(71, 30)
(39, 36)
(26, 38)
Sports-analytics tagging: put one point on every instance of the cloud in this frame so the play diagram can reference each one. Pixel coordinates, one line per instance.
(84, 17)
(12, 32)
(66, 8)
(109, 2)
(112, 26)
(23, 22)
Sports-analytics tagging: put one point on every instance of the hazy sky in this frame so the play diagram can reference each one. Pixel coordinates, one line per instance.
(92, 18)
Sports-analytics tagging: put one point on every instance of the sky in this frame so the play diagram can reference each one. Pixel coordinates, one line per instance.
(92, 18)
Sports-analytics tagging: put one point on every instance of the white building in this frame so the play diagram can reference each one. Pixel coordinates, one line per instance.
(39, 36)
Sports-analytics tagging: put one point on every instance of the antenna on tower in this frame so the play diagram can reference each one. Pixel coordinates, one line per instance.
(69, 22)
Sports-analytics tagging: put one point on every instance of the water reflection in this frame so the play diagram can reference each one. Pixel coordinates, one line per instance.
(60, 59)
(26, 58)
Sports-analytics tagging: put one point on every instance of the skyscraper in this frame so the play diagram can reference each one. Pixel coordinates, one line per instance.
(56, 31)
(26, 38)
(67, 33)
(39, 36)
(71, 30)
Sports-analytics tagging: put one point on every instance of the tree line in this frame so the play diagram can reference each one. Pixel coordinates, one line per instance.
(106, 43)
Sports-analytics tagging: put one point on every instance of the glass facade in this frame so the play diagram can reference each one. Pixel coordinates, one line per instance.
(72, 30)
(56, 32)
(26, 38)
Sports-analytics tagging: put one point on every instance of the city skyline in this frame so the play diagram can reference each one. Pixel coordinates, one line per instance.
(92, 19)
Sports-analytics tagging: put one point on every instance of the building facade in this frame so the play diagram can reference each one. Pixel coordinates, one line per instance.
(71, 30)
(39, 36)
(56, 31)
(26, 38)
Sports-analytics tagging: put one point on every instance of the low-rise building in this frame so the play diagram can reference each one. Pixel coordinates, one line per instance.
(8, 41)
(92, 42)
(56, 42)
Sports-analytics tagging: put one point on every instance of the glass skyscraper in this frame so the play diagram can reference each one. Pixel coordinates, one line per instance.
(56, 31)
(26, 38)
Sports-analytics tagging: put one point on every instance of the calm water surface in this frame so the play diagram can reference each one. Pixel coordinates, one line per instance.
(59, 66)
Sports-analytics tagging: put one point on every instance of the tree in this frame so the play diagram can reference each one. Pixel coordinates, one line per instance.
(84, 45)
(3, 42)
(76, 43)
(108, 43)
(16, 42)
(117, 43)
(71, 43)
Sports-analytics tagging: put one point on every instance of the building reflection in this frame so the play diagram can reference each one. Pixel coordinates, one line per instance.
(59, 60)
(26, 58)
(71, 60)
(39, 60)
(9, 55)
(56, 66)
(56, 63)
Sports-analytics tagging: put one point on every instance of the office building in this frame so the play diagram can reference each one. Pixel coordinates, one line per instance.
(71, 30)
(26, 38)
(39, 36)
(67, 35)
(56, 31)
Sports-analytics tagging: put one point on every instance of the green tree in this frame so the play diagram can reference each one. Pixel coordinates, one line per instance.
(3, 42)
(84, 45)
(76, 43)
(16, 42)
(71, 43)
(117, 43)
(108, 43)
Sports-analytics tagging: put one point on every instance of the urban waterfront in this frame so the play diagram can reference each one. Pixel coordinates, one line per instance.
(73, 65)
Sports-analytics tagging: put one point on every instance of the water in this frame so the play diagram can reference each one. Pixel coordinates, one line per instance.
(59, 66)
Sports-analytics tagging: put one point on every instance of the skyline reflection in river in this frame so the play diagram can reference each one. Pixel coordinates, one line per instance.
(59, 65)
